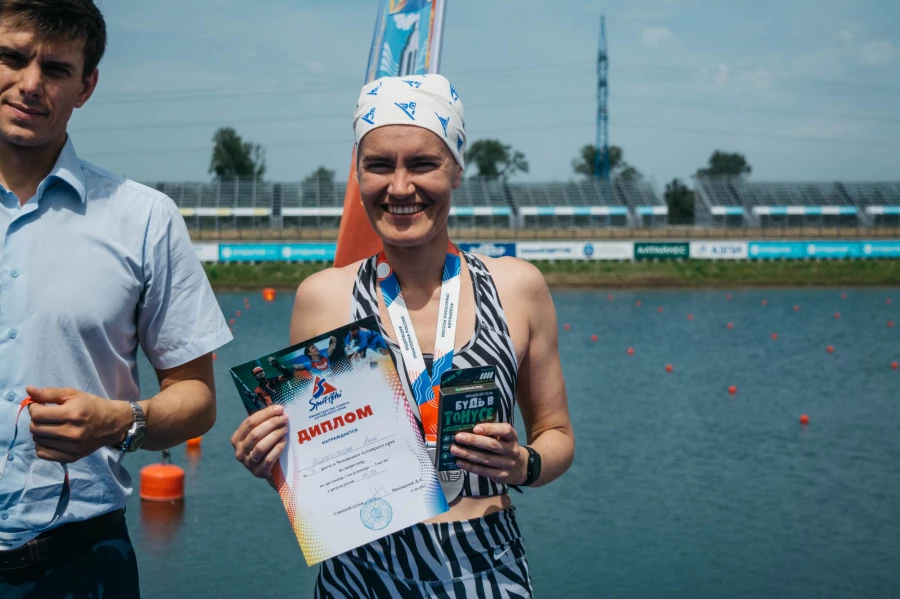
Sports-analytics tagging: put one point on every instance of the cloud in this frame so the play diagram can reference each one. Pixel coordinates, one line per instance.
(876, 52)
(316, 67)
(760, 80)
(721, 75)
(654, 36)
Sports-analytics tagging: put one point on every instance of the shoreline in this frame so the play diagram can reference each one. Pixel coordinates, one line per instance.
(662, 275)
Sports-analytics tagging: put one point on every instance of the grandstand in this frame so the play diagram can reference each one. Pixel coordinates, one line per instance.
(734, 202)
(720, 203)
(477, 203)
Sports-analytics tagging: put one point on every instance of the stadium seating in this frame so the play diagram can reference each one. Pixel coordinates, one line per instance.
(591, 204)
(736, 202)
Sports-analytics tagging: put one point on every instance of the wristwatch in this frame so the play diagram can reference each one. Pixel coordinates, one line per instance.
(135, 436)
(534, 467)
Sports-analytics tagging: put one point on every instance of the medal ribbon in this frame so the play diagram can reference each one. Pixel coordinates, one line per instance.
(24, 536)
(425, 388)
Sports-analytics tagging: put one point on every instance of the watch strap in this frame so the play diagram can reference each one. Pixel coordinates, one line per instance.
(530, 476)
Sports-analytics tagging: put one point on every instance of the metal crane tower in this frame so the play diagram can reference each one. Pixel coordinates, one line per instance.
(601, 156)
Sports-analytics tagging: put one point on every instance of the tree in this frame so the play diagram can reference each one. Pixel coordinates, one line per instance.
(680, 201)
(232, 157)
(725, 164)
(495, 160)
(618, 169)
(319, 183)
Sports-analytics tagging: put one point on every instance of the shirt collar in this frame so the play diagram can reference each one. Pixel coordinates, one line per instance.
(68, 170)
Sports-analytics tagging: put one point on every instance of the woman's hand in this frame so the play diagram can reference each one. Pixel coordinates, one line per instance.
(494, 452)
(259, 440)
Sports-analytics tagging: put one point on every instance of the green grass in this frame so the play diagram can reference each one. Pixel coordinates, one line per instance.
(666, 274)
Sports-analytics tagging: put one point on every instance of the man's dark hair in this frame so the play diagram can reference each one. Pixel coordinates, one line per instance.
(66, 20)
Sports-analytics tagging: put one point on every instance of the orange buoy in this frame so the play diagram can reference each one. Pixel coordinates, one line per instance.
(246, 300)
(195, 442)
(269, 294)
(890, 324)
(660, 309)
(843, 296)
(837, 315)
(669, 368)
(730, 325)
(728, 296)
(594, 338)
(567, 327)
(765, 302)
(796, 308)
(238, 313)
(830, 349)
(888, 301)
(231, 321)
(610, 297)
(774, 336)
(804, 419)
(215, 356)
(732, 389)
(630, 351)
(895, 365)
(690, 317)
(638, 303)
(162, 482)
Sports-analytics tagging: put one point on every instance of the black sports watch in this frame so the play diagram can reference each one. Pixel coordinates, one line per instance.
(534, 467)
(137, 433)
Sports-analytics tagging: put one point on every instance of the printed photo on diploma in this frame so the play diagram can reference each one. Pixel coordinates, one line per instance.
(355, 468)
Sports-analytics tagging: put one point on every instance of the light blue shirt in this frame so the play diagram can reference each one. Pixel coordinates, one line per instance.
(90, 267)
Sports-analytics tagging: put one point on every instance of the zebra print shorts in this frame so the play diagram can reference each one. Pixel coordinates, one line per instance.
(484, 557)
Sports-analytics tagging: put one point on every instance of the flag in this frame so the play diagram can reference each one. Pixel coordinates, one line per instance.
(407, 41)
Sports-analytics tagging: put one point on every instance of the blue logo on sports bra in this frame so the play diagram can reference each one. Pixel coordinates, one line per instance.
(408, 107)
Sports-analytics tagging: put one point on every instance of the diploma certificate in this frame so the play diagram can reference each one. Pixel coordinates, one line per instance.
(355, 467)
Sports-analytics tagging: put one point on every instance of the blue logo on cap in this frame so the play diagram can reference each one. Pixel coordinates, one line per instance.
(370, 117)
(444, 122)
(374, 92)
(409, 108)
(415, 84)
(459, 142)
(453, 94)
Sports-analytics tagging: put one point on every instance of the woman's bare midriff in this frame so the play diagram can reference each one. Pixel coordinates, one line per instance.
(470, 508)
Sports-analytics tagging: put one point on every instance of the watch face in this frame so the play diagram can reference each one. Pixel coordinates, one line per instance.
(137, 440)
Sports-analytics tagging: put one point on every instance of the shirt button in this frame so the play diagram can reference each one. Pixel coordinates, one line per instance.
(11, 396)
(14, 273)
(13, 334)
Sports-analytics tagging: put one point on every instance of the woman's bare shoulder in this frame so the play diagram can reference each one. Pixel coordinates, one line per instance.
(323, 301)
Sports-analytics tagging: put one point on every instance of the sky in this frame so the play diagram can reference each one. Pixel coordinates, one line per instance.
(807, 90)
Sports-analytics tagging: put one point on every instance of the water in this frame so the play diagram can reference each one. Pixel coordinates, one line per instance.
(678, 489)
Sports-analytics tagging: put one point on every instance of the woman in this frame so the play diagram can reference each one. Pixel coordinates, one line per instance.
(410, 138)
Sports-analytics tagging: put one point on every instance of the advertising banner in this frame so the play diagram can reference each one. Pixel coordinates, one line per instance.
(661, 251)
(609, 250)
(491, 250)
(880, 249)
(777, 250)
(550, 250)
(276, 252)
(833, 249)
(207, 252)
(719, 250)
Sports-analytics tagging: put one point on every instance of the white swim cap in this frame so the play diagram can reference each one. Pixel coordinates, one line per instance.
(427, 101)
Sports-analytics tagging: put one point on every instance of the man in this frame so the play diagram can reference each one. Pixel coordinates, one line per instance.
(267, 389)
(360, 340)
(92, 266)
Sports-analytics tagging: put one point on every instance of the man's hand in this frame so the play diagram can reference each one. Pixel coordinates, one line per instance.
(68, 424)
